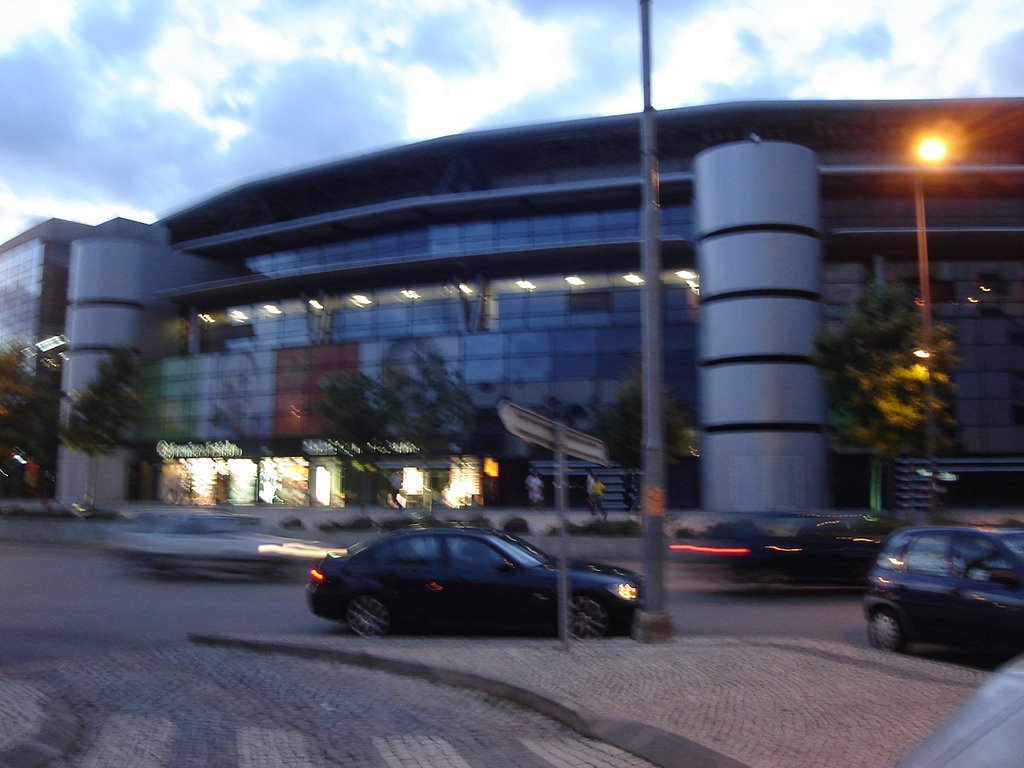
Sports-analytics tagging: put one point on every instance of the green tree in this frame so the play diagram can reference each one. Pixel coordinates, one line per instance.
(99, 418)
(424, 408)
(28, 409)
(620, 425)
(16, 398)
(876, 386)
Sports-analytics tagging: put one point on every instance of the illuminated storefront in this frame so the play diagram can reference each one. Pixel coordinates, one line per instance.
(219, 472)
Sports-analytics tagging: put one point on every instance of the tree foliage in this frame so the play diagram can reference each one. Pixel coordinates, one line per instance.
(99, 418)
(620, 425)
(28, 407)
(875, 384)
(425, 407)
(16, 401)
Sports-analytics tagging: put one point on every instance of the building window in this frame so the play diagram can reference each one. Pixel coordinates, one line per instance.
(590, 301)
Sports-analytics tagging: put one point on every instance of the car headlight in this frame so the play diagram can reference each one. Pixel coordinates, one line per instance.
(624, 590)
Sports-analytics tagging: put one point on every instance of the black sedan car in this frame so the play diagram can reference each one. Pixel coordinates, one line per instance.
(949, 586)
(466, 577)
(824, 548)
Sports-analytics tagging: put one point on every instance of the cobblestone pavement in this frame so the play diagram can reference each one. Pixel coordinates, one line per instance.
(204, 707)
(766, 703)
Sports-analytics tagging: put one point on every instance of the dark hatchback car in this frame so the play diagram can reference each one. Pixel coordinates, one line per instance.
(784, 547)
(960, 587)
(471, 578)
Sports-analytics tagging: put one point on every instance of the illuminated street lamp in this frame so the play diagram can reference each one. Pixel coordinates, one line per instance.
(931, 150)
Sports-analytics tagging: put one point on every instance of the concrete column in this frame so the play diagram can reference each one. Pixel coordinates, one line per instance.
(106, 310)
(763, 413)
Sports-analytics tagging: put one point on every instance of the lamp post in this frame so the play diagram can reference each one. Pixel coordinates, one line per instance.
(652, 624)
(930, 150)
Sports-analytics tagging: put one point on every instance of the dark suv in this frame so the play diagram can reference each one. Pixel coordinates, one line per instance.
(950, 586)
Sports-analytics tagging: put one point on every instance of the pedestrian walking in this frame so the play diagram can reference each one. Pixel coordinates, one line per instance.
(535, 489)
(396, 487)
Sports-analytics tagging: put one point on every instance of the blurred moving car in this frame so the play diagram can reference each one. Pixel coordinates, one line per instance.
(986, 732)
(784, 547)
(202, 543)
(466, 577)
(960, 587)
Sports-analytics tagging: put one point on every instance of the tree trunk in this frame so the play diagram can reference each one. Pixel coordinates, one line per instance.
(90, 481)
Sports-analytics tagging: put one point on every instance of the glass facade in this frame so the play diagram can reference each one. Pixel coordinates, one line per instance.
(21, 289)
(473, 238)
(543, 341)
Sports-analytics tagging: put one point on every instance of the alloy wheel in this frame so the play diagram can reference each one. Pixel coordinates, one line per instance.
(367, 616)
(587, 618)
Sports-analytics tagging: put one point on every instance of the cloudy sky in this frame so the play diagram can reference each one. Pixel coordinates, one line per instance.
(137, 108)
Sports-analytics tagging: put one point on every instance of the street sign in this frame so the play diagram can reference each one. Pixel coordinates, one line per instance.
(542, 431)
(536, 429)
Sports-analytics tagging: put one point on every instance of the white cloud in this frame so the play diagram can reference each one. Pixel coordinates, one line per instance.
(146, 105)
(21, 21)
(524, 58)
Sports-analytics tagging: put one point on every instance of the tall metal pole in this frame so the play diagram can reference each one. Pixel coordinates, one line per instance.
(652, 623)
(563, 537)
(927, 342)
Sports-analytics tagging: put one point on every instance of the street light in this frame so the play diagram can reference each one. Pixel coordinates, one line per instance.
(931, 150)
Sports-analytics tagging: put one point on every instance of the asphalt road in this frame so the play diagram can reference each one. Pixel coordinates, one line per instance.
(59, 603)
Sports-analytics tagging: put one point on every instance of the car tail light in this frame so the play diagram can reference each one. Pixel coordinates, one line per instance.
(316, 576)
(710, 550)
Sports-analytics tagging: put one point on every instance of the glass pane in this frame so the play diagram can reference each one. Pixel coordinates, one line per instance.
(927, 554)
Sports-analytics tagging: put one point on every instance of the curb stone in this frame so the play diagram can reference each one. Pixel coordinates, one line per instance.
(655, 745)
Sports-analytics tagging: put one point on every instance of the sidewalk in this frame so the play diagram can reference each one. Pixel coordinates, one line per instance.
(689, 703)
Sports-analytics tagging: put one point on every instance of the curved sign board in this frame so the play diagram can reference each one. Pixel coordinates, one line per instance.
(540, 430)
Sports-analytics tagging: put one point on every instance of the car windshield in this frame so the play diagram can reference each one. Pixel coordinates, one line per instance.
(1015, 542)
(521, 550)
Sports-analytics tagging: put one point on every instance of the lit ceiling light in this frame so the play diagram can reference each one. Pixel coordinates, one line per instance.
(410, 294)
(361, 300)
(272, 309)
(208, 319)
(686, 274)
(51, 342)
(316, 304)
(971, 300)
(526, 285)
(985, 289)
(924, 354)
(634, 279)
(239, 316)
(466, 289)
(574, 280)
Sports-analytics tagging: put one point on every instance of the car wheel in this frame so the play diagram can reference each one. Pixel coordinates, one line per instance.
(367, 616)
(587, 618)
(885, 631)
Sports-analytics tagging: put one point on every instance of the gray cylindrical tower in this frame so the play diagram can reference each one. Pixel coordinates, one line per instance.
(106, 310)
(763, 444)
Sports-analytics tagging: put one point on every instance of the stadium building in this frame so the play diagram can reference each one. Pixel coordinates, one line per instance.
(515, 255)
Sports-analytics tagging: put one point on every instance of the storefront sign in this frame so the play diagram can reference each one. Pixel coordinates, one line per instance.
(217, 449)
(321, 447)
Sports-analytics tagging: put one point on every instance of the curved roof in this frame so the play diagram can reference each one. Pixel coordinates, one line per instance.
(573, 165)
